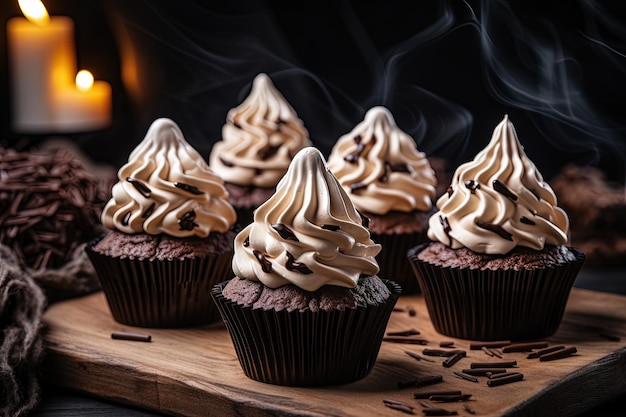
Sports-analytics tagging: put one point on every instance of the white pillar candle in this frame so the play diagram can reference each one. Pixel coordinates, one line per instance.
(43, 66)
(41, 59)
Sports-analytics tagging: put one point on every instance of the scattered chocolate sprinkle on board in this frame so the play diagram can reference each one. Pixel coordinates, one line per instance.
(524, 347)
(496, 382)
(82, 357)
(451, 360)
(411, 340)
(427, 394)
(432, 411)
(538, 353)
(400, 406)
(408, 332)
(418, 357)
(502, 364)
(465, 376)
(136, 337)
(559, 354)
(480, 345)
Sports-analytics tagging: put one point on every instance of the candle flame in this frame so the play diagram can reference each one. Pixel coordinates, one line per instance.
(35, 11)
(84, 80)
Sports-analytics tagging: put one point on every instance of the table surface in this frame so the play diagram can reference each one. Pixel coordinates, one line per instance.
(61, 402)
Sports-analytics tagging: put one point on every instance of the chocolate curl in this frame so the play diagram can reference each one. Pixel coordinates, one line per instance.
(540, 352)
(559, 354)
(496, 344)
(504, 364)
(524, 347)
(426, 395)
(405, 339)
(505, 380)
(419, 382)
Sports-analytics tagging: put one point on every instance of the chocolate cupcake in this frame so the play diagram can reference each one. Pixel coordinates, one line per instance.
(306, 307)
(171, 235)
(498, 267)
(392, 184)
(259, 139)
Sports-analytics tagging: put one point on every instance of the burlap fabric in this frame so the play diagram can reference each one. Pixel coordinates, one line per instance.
(22, 303)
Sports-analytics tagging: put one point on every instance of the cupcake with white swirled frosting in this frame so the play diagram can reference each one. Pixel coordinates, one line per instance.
(392, 183)
(170, 235)
(306, 271)
(259, 139)
(499, 266)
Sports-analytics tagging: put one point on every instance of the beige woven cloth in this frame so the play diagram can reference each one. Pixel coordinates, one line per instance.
(24, 295)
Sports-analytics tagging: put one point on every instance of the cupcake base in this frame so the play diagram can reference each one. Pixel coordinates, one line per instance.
(306, 348)
(502, 304)
(165, 293)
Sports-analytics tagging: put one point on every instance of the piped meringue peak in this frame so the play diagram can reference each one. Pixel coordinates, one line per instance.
(499, 201)
(308, 233)
(259, 139)
(167, 187)
(380, 167)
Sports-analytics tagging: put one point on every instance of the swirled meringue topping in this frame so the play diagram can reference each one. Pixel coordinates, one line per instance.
(259, 139)
(380, 167)
(499, 201)
(167, 187)
(308, 233)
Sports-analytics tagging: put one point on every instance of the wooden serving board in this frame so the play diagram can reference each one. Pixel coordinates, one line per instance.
(195, 372)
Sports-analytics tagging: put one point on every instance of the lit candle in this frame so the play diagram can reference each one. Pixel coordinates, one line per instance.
(86, 105)
(43, 68)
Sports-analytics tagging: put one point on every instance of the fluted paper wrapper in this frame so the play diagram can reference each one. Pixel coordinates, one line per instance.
(392, 259)
(163, 293)
(488, 305)
(306, 348)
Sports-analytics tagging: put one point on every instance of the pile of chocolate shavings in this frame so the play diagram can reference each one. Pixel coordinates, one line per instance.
(49, 205)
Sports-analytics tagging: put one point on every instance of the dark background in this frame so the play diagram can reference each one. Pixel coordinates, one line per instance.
(448, 71)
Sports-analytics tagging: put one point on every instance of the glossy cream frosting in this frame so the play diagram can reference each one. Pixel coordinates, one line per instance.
(380, 167)
(259, 139)
(499, 201)
(167, 187)
(308, 233)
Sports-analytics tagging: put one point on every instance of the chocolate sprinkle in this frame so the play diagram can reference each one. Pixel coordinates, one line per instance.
(472, 185)
(186, 222)
(353, 157)
(526, 220)
(246, 242)
(126, 219)
(398, 167)
(189, 188)
(266, 265)
(143, 189)
(292, 265)
(268, 151)
(449, 190)
(357, 186)
(496, 228)
(332, 227)
(446, 227)
(503, 189)
(285, 232)
(148, 211)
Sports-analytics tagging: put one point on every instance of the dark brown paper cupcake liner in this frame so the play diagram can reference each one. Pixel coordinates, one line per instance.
(392, 258)
(496, 305)
(161, 294)
(306, 348)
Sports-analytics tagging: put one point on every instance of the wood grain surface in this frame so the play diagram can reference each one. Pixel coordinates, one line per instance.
(195, 372)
